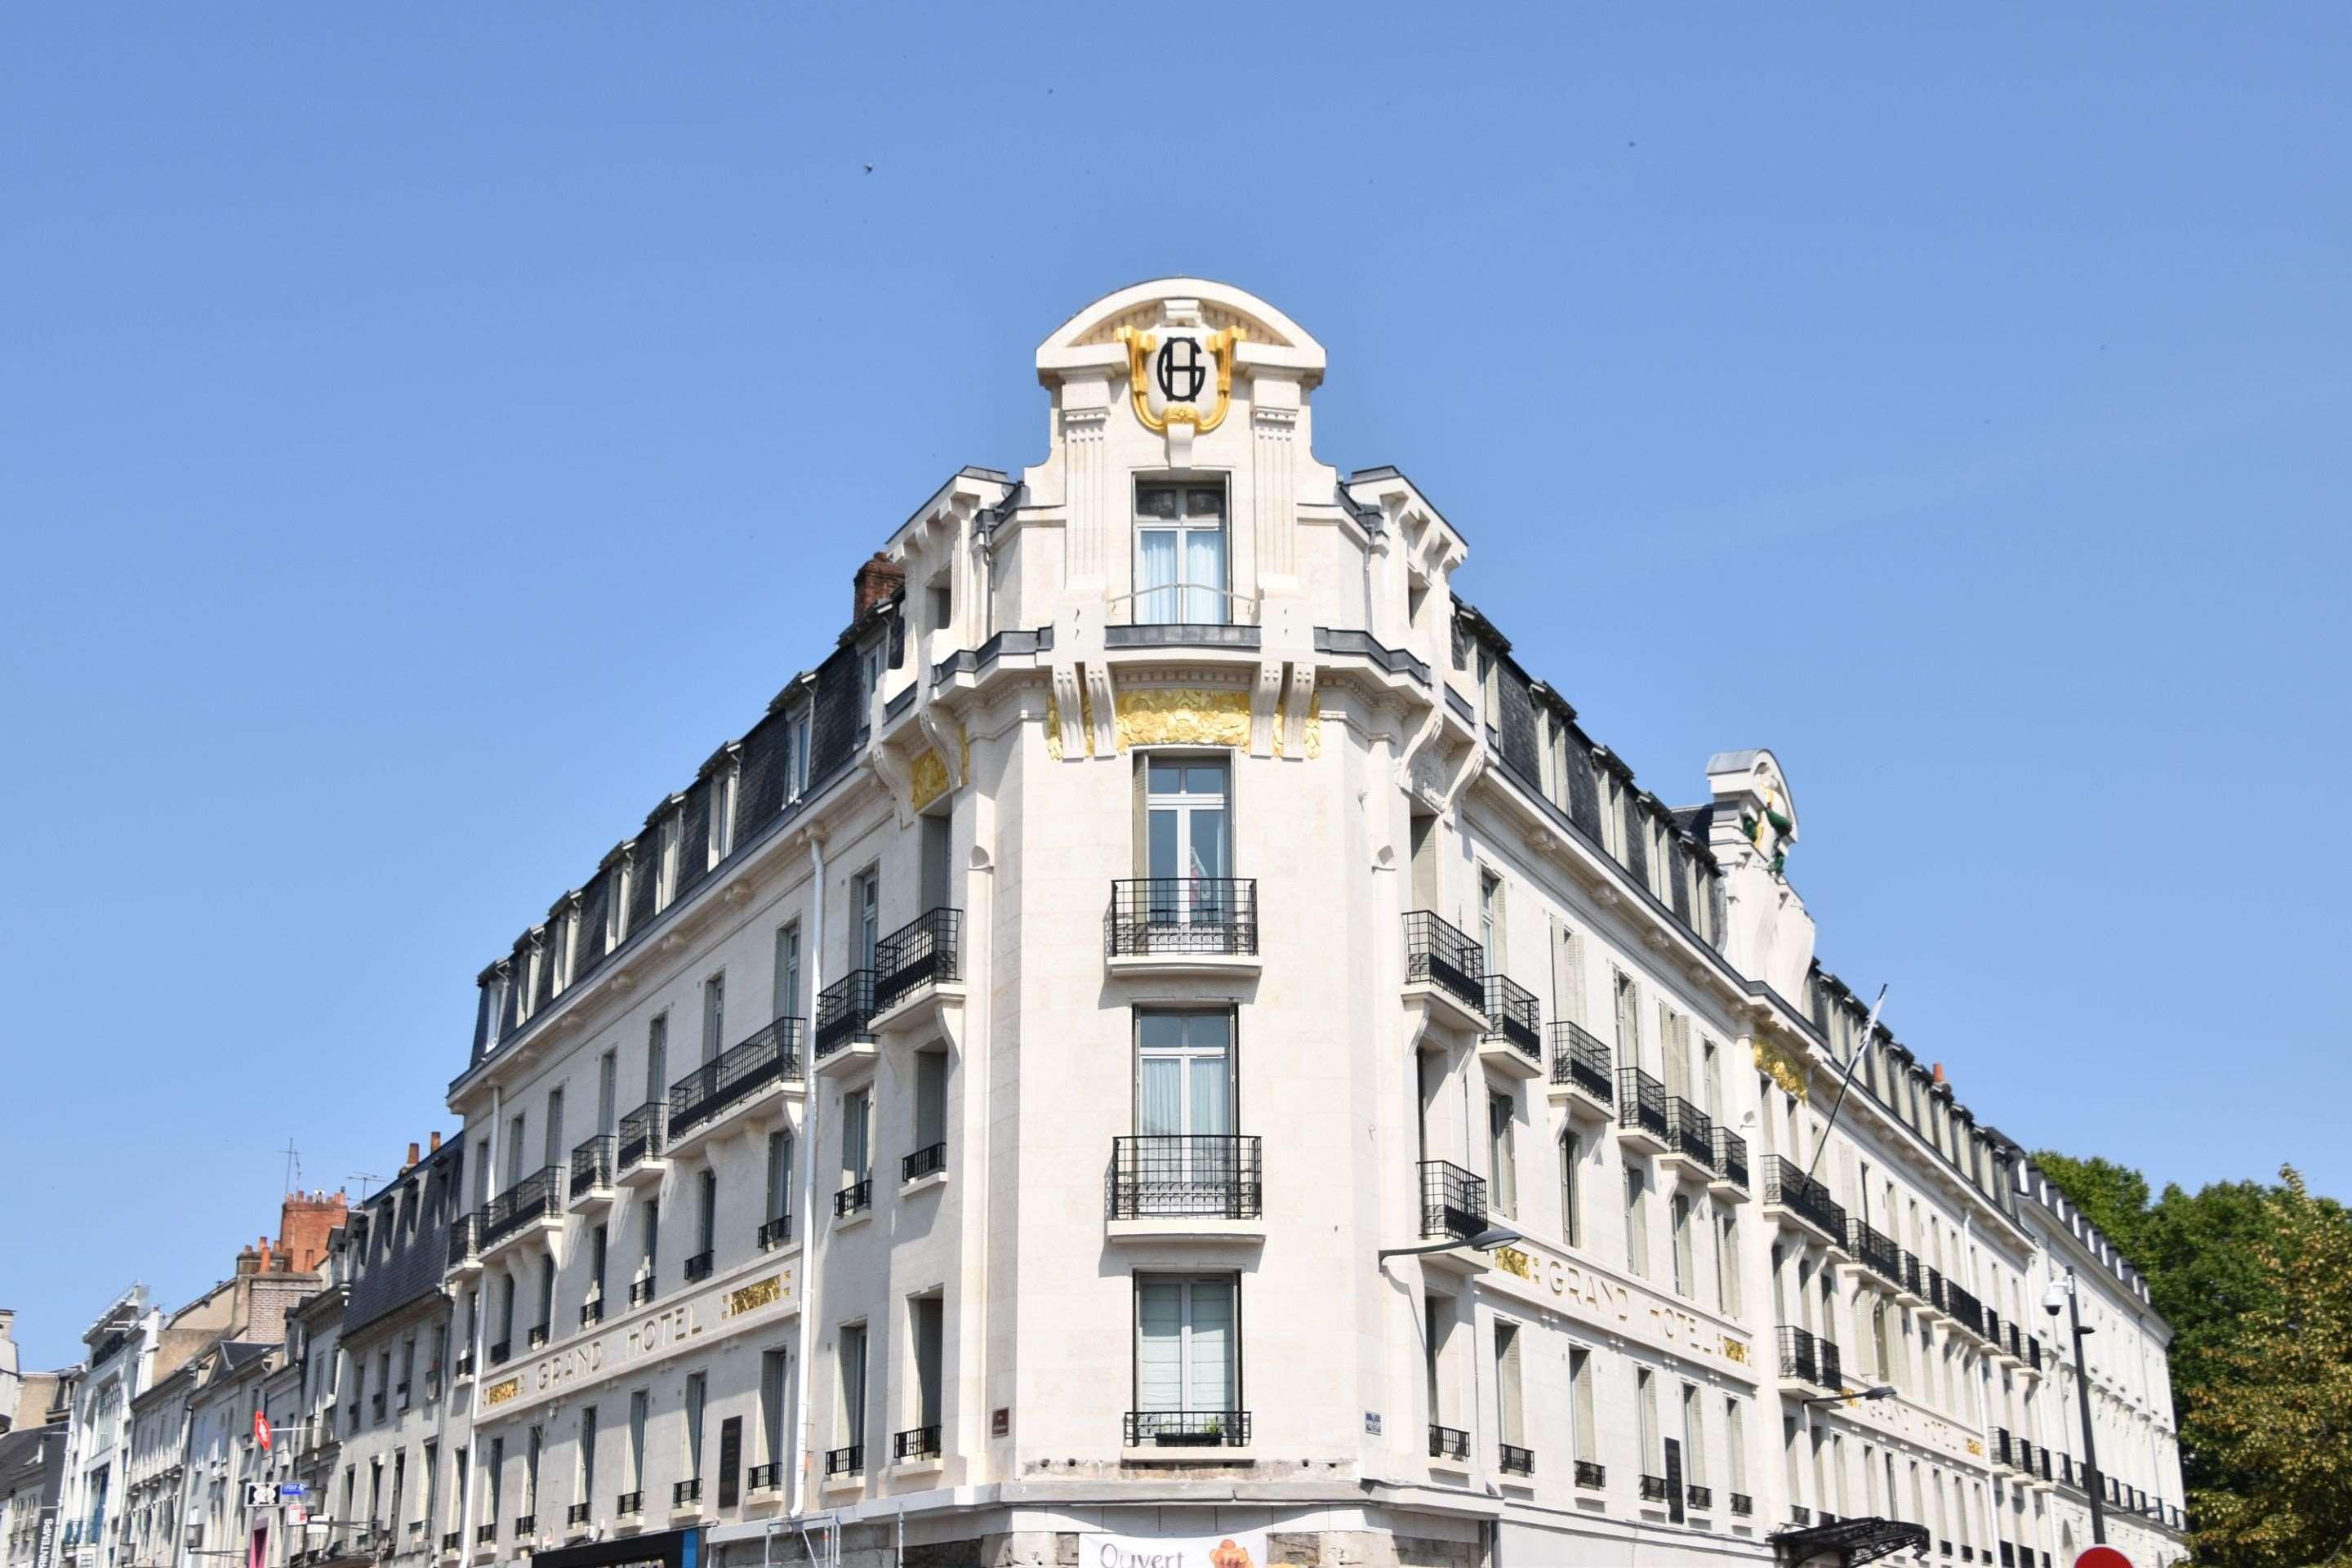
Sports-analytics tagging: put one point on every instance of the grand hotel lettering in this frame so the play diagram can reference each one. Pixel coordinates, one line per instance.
(1614, 1303)
(652, 1337)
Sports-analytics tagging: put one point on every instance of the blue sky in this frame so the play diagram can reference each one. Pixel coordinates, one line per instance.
(430, 430)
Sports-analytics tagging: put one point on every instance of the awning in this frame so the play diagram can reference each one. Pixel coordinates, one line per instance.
(666, 1548)
(1852, 1541)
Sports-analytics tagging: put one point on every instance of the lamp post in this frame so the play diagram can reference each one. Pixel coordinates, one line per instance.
(2050, 1302)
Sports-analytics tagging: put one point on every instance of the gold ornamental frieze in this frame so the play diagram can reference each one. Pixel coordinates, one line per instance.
(1178, 716)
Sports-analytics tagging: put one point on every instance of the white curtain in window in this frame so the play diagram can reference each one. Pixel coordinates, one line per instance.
(1156, 597)
(1205, 575)
(1184, 1346)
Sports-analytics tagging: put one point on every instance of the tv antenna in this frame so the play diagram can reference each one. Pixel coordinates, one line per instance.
(293, 1166)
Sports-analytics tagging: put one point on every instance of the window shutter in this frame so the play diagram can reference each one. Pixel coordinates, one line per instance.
(1160, 1346)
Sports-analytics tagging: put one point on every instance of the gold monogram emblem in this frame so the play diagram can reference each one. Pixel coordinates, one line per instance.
(1177, 373)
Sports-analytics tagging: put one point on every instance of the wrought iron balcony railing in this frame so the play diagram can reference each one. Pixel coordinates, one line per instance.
(593, 1161)
(854, 1198)
(1963, 1308)
(1811, 1358)
(845, 1462)
(699, 1266)
(916, 1443)
(1516, 1460)
(539, 1195)
(767, 1478)
(775, 1232)
(575, 1514)
(464, 1238)
(916, 956)
(1579, 1059)
(1592, 1473)
(645, 1133)
(591, 1312)
(1435, 954)
(1742, 1504)
(535, 1337)
(1150, 915)
(845, 1010)
(1655, 1490)
(1512, 1015)
(1641, 1102)
(641, 1290)
(686, 1491)
(1786, 1184)
(629, 1504)
(771, 1056)
(1698, 1496)
(1186, 1176)
(1908, 1275)
(1731, 1157)
(1187, 1428)
(927, 1161)
(501, 1352)
(1448, 1442)
(1690, 1131)
(1452, 1201)
(1874, 1250)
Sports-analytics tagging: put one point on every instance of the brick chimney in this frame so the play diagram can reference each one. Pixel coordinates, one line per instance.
(876, 581)
(410, 1163)
(249, 1261)
(435, 1145)
(304, 1225)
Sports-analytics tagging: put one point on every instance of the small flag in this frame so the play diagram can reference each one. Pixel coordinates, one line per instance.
(261, 1430)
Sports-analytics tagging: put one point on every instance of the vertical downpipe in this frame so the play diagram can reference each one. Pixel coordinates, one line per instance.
(808, 1186)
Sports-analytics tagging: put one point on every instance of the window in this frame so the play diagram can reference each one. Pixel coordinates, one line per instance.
(1645, 1409)
(1502, 1158)
(496, 1478)
(1179, 554)
(672, 838)
(866, 911)
(709, 1238)
(714, 1016)
(1726, 1260)
(551, 1137)
(1629, 1020)
(931, 1099)
(1490, 919)
(856, 1136)
(608, 1077)
(1510, 1415)
(561, 931)
(657, 1059)
(775, 1408)
(619, 883)
(796, 756)
(1184, 1074)
(457, 1493)
(698, 1388)
(586, 1472)
(1572, 1187)
(780, 1174)
(1187, 839)
(1694, 1435)
(1735, 1445)
(637, 1410)
(788, 970)
(649, 1258)
(1637, 1223)
(1185, 1358)
(432, 1458)
(849, 1413)
(1579, 1389)
(533, 1442)
(926, 1328)
(722, 814)
(1685, 1272)
(598, 1244)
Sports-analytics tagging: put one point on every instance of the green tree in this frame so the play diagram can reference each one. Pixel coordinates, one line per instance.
(2113, 1197)
(2272, 1409)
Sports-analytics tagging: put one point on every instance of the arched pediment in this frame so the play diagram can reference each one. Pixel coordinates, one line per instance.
(1141, 307)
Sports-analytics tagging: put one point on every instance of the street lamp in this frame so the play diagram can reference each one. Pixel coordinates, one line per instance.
(1877, 1391)
(1487, 1240)
(2052, 1299)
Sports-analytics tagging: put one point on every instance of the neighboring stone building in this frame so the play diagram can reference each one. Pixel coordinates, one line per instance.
(32, 1478)
(29, 1399)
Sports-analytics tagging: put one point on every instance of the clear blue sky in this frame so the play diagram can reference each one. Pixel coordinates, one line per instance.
(430, 431)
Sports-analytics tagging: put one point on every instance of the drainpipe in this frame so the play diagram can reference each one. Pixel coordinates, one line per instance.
(473, 1400)
(808, 1185)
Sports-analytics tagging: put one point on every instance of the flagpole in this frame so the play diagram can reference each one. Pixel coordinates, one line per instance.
(1846, 1082)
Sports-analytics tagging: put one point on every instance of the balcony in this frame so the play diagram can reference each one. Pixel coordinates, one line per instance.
(853, 1201)
(767, 1480)
(1742, 1505)
(699, 1266)
(1641, 1112)
(1512, 1038)
(486, 1534)
(530, 1209)
(1591, 1475)
(1963, 1308)
(1875, 1251)
(776, 1233)
(1516, 1460)
(466, 1246)
(1911, 1285)
(629, 1505)
(928, 1165)
(1176, 1187)
(1801, 1204)
(1806, 1357)
(451, 1539)
(916, 970)
(526, 1525)
(641, 1290)
(1187, 1429)
(1730, 1158)
(1699, 1496)
(686, 1496)
(845, 1464)
(918, 1446)
(1449, 1444)
(575, 1517)
(2034, 1357)
(592, 1162)
(1690, 1139)
(643, 1151)
(1931, 1294)
(1444, 971)
(591, 1311)
(740, 1089)
(845, 1022)
(462, 1367)
(1581, 1077)
(1452, 1203)
(501, 1352)
(1179, 925)
(535, 1337)
(1655, 1490)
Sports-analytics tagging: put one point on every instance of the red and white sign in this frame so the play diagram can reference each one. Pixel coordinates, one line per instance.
(2102, 1557)
(261, 1430)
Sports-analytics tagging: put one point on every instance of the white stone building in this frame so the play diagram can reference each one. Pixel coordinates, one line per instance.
(1167, 1045)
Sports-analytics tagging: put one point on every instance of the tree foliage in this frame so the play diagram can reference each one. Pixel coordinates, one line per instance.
(2256, 1282)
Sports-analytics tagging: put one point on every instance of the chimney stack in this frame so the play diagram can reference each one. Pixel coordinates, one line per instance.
(304, 1227)
(876, 581)
(437, 1141)
(411, 1163)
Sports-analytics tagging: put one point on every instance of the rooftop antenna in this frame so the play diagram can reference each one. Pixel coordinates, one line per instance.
(293, 1165)
(364, 1181)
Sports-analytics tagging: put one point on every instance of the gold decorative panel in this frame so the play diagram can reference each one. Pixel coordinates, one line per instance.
(1788, 1069)
(1180, 716)
(928, 778)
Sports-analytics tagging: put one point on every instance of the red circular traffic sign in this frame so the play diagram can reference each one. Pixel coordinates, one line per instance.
(2102, 1557)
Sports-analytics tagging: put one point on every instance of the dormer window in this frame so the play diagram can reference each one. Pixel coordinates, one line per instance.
(796, 756)
(1179, 555)
(563, 935)
(722, 814)
(534, 955)
(673, 839)
(618, 886)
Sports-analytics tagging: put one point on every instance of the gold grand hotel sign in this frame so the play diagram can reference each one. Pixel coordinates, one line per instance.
(648, 1338)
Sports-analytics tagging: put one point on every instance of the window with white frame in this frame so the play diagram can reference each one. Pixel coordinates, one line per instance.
(1179, 554)
(1187, 1360)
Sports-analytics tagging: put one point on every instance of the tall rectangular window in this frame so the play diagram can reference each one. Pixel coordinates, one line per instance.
(1726, 1260)
(780, 1174)
(586, 1471)
(1510, 1414)
(1637, 1223)
(856, 1136)
(1502, 1156)
(1572, 1187)
(788, 970)
(618, 885)
(657, 1059)
(849, 1414)
(496, 1478)
(1694, 1435)
(1645, 1410)
(775, 1406)
(1629, 1020)
(927, 1324)
(1579, 1393)
(708, 1240)
(608, 1079)
(722, 815)
(796, 756)
(1186, 1359)
(698, 1388)
(672, 838)
(532, 1440)
(457, 1492)
(638, 1403)
(431, 1514)
(552, 1137)
(931, 1099)
(1735, 1445)
(1179, 555)
(866, 913)
(1184, 1074)
(599, 1243)
(714, 1016)
(1679, 1213)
